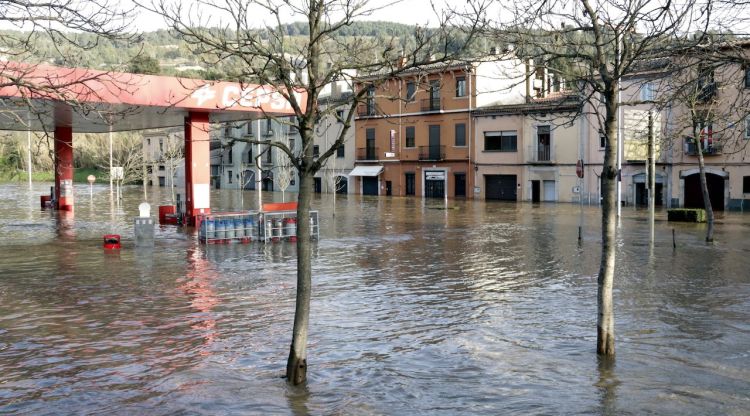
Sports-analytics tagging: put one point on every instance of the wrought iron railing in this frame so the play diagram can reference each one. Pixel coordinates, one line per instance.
(432, 152)
(367, 153)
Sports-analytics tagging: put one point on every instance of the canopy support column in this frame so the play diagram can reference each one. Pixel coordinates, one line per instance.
(64, 168)
(197, 166)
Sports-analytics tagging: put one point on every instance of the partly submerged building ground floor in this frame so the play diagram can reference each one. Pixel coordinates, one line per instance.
(677, 184)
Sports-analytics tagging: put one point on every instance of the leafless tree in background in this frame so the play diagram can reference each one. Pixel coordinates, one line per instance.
(255, 40)
(594, 44)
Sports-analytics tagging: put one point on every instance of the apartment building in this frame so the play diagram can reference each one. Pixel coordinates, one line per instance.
(335, 175)
(414, 132)
(163, 155)
(529, 151)
(718, 105)
(236, 163)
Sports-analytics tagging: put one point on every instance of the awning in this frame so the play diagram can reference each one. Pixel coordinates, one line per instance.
(372, 170)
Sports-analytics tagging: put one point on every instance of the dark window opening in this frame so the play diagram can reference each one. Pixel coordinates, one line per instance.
(410, 91)
(410, 136)
(460, 86)
(461, 134)
(500, 141)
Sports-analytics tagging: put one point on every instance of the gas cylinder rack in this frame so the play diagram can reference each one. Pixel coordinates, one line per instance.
(230, 227)
(282, 225)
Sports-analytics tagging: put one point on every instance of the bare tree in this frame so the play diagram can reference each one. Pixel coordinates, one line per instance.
(283, 165)
(705, 93)
(594, 44)
(333, 180)
(266, 54)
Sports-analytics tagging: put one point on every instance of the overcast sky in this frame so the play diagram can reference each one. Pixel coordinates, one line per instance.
(406, 11)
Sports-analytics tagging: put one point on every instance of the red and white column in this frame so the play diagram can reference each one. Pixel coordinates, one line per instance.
(197, 166)
(64, 168)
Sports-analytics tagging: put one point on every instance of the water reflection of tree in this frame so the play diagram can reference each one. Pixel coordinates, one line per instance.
(607, 385)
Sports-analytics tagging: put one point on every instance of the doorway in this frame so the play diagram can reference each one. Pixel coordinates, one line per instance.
(460, 185)
(536, 191)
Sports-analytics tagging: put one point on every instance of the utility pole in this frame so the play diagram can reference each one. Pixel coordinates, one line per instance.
(28, 143)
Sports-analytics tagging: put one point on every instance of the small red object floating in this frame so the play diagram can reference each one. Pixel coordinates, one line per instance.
(112, 241)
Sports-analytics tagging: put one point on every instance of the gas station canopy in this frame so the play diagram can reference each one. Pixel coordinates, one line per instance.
(89, 100)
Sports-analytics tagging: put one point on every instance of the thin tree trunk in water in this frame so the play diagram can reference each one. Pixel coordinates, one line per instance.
(605, 339)
(296, 367)
(704, 191)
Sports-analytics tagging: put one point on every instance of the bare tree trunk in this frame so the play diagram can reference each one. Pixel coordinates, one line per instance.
(296, 367)
(651, 178)
(605, 340)
(704, 190)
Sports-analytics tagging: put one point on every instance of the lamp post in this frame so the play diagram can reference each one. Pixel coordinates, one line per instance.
(91, 179)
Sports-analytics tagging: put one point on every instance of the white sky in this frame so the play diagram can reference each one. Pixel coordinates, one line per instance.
(405, 11)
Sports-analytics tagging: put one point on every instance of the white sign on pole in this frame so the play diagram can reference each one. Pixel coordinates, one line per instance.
(117, 173)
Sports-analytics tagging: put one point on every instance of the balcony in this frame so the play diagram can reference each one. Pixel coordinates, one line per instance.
(367, 110)
(432, 152)
(431, 104)
(367, 153)
(707, 92)
(540, 154)
(710, 147)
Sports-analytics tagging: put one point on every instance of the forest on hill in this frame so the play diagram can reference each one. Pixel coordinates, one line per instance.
(165, 52)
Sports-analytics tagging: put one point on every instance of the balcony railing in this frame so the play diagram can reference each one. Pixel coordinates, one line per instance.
(707, 91)
(367, 153)
(367, 110)
(710, 147)
(432, 152)
(540, 154)
(431, 104)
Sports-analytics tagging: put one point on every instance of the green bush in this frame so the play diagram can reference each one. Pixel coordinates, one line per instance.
(686, 214)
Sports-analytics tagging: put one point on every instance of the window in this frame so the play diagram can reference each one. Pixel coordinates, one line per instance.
(316, 150)
(227, 130)
(269, 127)
(648, 92)
(250, 155)
(460, 86)
(706, 84)
(269, 155)
(543, 141)
(500, 141)
(229, 176)
(148, 142)
(161, 167)
(435, 90)
(411, 90)
(371, 100)
(602, 140)
(340, 151)
(747, 77)
(410, 136)
(746, 184)
(229, 156)
(291, 144)
(460, 134)
(747, 128)
(340, 116)
(249, 126)
(161, 145)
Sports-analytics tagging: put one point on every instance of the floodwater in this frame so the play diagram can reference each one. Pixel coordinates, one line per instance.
(419, 307)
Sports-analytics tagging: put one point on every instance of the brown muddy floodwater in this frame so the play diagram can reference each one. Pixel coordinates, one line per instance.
(481, 308)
